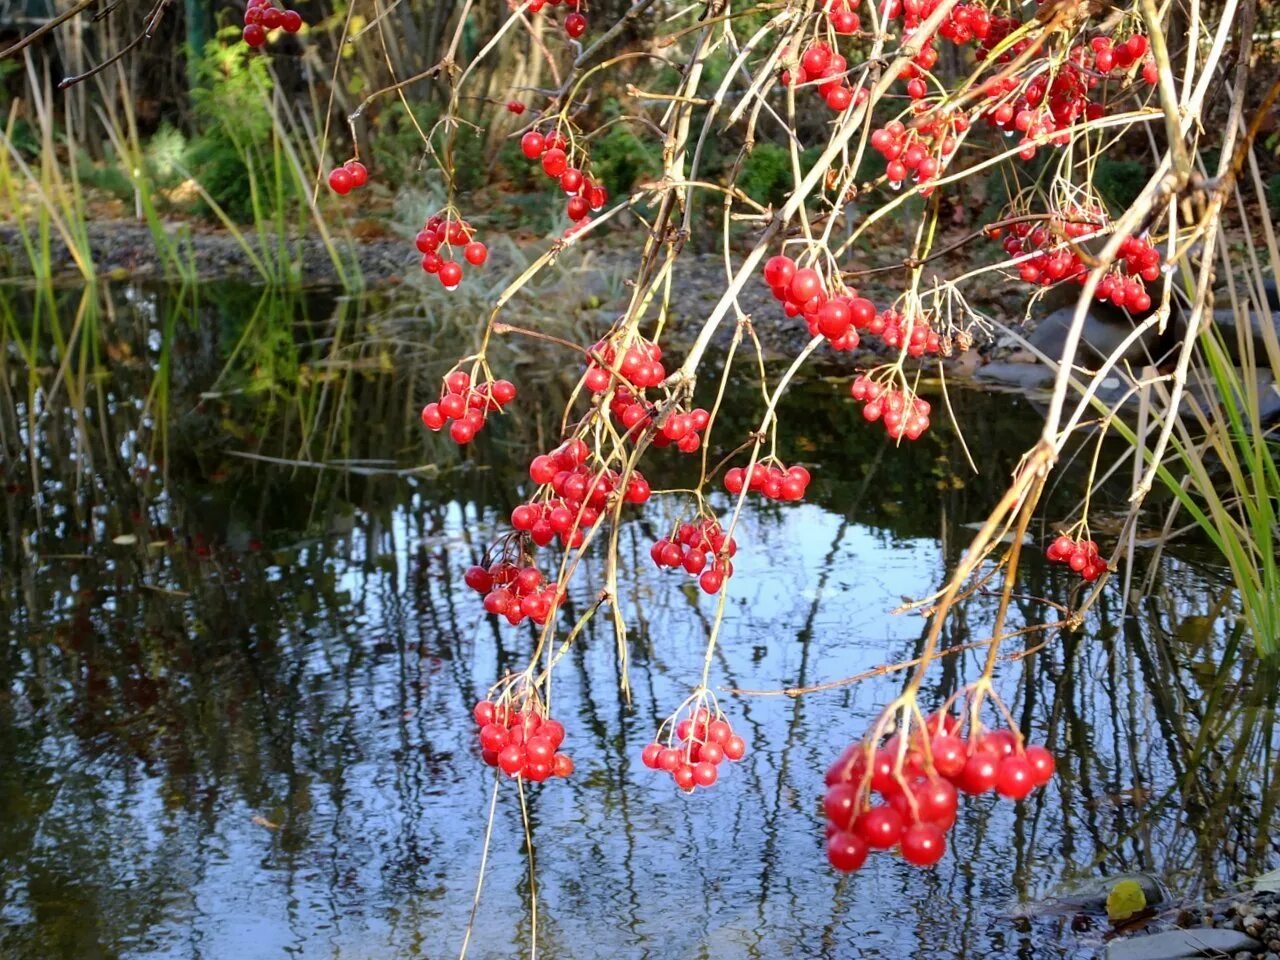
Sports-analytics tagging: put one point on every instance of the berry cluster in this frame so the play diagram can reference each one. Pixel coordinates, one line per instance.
(906, 154)
(903, 413)
(775, 482)
(920, 799)
(439, 231)
(350, 176)
(521, 743)
(639, 365)
(553, 149)
(915, 336)
(1141, 261)
(802, 293)
(467, 405)
(580, 495)
(1109, 56)
(843, 16)
(701, 549)
(262, 15)
(514, 591)
(820, 63)
(515, 106)
(1080, 555)
(702, 741)
(575, 24)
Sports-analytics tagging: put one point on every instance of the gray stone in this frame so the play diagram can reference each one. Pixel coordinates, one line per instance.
(1023, 376)
(1176, 944)
(1103, 332)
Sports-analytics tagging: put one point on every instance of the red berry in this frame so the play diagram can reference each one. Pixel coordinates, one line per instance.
(511, 759)
(340, 180)
(532, 144)
(291, 21)
(515, 106)
(561, 765)
(923, 844)
(1042, 764)
(880, 827)
(841, 805)
(575, 25)
(554, 162)
(450, 274)
(475, 253)
(1015, 778)
(649, 756)
(735, 748)
(359, 175)
(846, 852)
(483, 712)
(979, 774)
(704, 773)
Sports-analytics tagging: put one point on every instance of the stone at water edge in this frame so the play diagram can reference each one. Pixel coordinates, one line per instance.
(1177, 944)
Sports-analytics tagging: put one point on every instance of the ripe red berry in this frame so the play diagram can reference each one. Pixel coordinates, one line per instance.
(1015, 778)
(880, 827)
(450, 274)
(649, 756)
(483, 712)
(291, 21)
(554, 162)
(475, 253)
(359, 174)
(515, 106)
(735, 748)
(846, 852)
(575, 25)
(979, 774)
(532, 144)
(841, 805)
(923, 844)
(1042, 764)
(340, 180)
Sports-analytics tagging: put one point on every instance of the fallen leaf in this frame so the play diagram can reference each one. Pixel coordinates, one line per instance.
(264, 822)
(1125, 899)
(124, 540)
(1268, 882)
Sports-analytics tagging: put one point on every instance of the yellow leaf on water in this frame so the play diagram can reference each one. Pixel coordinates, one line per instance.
(1125, 899)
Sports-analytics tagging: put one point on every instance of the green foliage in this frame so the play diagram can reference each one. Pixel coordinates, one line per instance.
(164, 156)
(621, 159)
(230, 158)
(1119, 181)
(766, 173)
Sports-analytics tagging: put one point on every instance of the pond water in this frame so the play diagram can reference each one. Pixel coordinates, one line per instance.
(240, 660)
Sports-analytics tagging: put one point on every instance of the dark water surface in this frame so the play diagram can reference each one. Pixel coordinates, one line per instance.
(235, 708)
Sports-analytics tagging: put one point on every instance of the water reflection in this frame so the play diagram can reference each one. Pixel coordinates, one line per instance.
(236, 702)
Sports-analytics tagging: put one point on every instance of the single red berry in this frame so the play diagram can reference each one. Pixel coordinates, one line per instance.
(846, 852)
(475, 253)
(841, 805)
(291, 21)
(359, 174)
(532, 144)
(880, 827)
(649, 756)
(575, 25)
(515, 106)
(923, 844)
(704, 773)
(483, 712)
(735, 748)
(1042, 764)
(1015, 778)
(450, 274)
(979, 774)
(340, 180)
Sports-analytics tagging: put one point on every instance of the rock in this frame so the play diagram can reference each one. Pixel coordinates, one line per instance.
(1091, 894)
(1175, 944)
(1104, 330)
(1023, 376)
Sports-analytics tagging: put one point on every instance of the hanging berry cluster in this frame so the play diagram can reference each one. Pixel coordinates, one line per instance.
(802, 293)
(919, 800)
(553, 149)
(843, 16)
(350, 176)
(775, 481)
(917, 152)
(639, 365)
(1080, 555)
(697, 746)
(466, 405)
(261, 16)
(576, 497)
(820, 63)
(903, 413)
(700, 549)
(522, 743)
(442, 231)
(514, 590)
